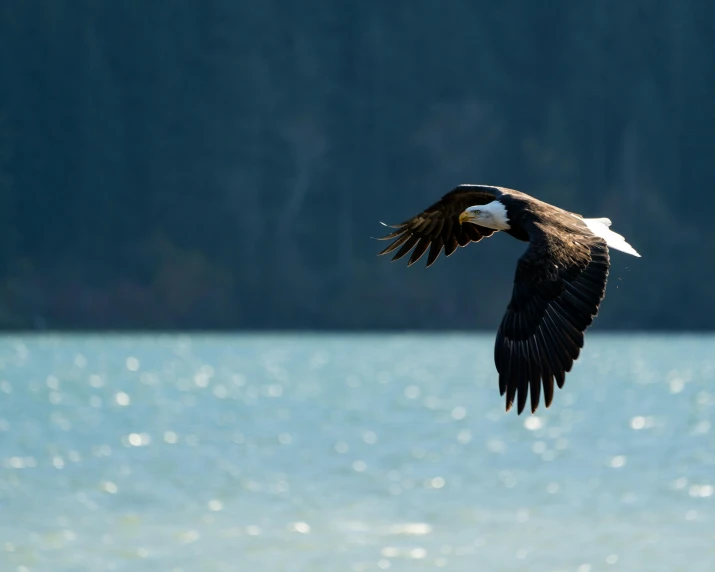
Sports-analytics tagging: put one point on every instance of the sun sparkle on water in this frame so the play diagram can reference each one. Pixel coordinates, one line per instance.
(351, 453)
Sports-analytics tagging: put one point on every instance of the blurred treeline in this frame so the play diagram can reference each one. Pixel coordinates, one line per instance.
(223, 164)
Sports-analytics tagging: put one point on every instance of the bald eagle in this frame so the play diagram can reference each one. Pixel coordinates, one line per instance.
(560, 279)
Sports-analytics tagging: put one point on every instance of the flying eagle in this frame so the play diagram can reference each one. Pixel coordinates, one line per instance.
(560, 279)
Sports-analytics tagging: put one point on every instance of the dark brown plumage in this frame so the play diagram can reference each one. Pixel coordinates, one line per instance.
(438, 227)
(559, 283)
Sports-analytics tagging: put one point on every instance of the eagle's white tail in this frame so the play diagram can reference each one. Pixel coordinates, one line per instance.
(599, 227)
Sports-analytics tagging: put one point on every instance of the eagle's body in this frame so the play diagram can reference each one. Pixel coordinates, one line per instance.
(559, 283)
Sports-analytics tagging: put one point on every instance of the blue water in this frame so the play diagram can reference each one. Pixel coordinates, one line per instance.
(351, 453)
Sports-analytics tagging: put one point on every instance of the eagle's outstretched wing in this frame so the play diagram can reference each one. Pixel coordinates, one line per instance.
(438, 226)
(557, 292)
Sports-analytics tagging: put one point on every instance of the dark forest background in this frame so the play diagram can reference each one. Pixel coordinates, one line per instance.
(223, 164)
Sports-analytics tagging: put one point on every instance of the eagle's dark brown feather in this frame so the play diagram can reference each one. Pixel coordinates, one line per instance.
(438, 227)
(559, 284)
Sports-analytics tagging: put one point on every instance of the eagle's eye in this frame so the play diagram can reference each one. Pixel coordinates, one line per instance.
(477, 212)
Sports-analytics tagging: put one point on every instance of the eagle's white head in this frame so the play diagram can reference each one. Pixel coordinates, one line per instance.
(492, 215)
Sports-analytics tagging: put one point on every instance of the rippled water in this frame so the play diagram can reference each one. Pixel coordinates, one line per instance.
(336, 452)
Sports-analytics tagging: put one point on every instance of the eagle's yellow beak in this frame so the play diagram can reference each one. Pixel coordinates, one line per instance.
(466, 215)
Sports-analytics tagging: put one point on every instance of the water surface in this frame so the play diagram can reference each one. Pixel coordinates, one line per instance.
(351, 453)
